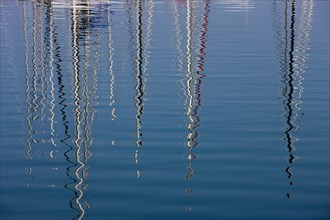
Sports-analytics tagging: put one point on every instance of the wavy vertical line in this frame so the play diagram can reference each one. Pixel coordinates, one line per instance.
(189, 75)
(178, 35)
(194, 82)
(201, 62)
(78, 113)
(63, 109)
(147, 40)
(138, 80)
(34, 64)
(130, 26)
(85, 113)
(34, 59)
(111, 54)
(35, 73)
(190, 94)
(51, 63)
(301, 50)
(288, 83)
(42, 64)
(87, 140)
(27, 78)
(90, 98)
(180, 53)
(289, 101)
(285, 43)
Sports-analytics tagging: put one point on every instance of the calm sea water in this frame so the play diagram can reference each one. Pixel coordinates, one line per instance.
(154, 109)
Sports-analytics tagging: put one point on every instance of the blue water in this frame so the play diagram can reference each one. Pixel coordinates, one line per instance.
(205, 109)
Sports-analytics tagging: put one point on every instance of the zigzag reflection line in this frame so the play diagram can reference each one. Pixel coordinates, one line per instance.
(77, 112)
(138, 79)
(111, 54)
(27, 77)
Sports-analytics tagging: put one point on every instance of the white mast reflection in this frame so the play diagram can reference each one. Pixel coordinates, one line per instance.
(176, 15)
(78, 113)
(302, 47)
(51, 63)
(195, 59)
(27, 90)
(190, 95)
(85, 95)
(112, 76)
(42, 64)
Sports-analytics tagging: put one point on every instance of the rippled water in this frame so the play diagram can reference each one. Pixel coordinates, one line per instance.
(205, 109)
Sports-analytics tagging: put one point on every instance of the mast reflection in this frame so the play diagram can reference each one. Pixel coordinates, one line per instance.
(63, 108)
(83, 97)
(292, 44)
(27, 90)
(53, 96)
(191, 142)
(141, 66)
(147, 40)
(112, 76)
(193, 80)
(138, 78)
(37, 85)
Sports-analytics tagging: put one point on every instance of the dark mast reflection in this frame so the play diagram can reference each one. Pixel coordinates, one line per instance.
(139, 88)
(38, 83)
(292, 60)
(142, 46)
(288, 93)
(63, 107)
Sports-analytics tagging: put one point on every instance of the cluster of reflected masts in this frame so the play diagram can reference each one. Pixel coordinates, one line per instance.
(45, 79)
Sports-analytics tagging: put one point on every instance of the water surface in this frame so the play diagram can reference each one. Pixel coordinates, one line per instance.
(205, 109)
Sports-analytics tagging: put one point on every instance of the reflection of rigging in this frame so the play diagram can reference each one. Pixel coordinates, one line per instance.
(112, 76)
(142, 55)
(193, 80)
(51, 78)
(292, 60)
(288, 77)
(191, 142)
(82, 99)
(41, 85)
(77, 102)
(139, 81)
(28, 101)
(63, 106)
(302, 45)
(36, 85)
(147, 39)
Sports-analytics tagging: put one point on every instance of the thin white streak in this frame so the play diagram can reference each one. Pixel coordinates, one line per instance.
(27, 76)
